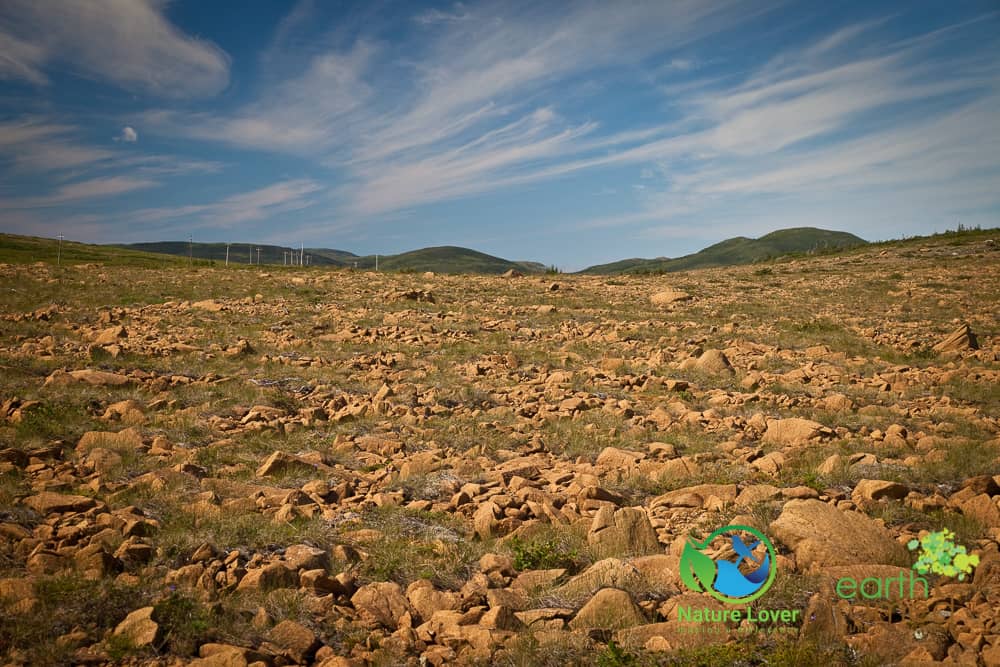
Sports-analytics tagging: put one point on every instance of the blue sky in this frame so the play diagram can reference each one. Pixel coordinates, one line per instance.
(567, 133)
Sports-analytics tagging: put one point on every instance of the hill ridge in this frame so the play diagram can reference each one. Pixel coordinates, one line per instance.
(737, 250)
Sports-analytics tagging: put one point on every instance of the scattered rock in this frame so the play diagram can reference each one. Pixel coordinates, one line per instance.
(381, 603)
(268, 578)
(140, 628)
(792, 431)
(714, 361)
(567, 402)
(110, 335)
(667, 297)
(959, 340)
(91, 377)
(625, 532)
(296, 641)
(49, 503)
(280, 463)
(868, 490)
(609, 609)
(209, 305)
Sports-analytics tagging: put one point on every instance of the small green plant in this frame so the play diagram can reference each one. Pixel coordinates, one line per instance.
(940, 555)
(542, 554)
(119, 646)
(185, 621)
(615, 656)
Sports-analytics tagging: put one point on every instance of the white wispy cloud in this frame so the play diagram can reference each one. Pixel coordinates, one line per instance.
(129, 43)
(681, 65)
(306, 114)
(84, 227)
(482, 109)
(38, 144)
(468, 169)
(463, 124)
(474, 72)
(21, 59)
(432, 16)
(778, 137)
(243, 207)
(82, 190)
(745, 135)
(167, 165)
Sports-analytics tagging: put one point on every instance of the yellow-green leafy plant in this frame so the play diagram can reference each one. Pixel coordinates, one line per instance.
(940, 555)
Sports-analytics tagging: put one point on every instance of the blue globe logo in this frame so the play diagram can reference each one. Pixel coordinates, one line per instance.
(738, 578)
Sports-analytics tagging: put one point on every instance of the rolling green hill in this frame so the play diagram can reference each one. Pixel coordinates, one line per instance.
(738, 250)
(442, 259)
(15, 249)
(240, 253)
(622, 266)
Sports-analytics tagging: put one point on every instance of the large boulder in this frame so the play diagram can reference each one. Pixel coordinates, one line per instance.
(110, 335)
(607, 573)
(484, 521)
(268, 578)
(715, 362)
(669, 296)
(280, 463)
(139, 628)
(60, 378)
(381, 603)
(870, 490)
(958, 340)
(127, 439)
(821, 535)
(49, 502)
(700, 495)
(792, 431)
(426, 600)
(609, 609)
(296, 641)
(623, 532)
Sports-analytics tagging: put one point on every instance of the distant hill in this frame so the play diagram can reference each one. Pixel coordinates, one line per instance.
(444, 259)
(240, 253)
(441, 259)
(17, 249)
(738, 250)
(622, 266)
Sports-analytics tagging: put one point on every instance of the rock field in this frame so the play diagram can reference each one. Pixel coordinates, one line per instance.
(228, 467)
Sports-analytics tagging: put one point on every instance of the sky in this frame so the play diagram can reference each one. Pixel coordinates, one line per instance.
(569, 133)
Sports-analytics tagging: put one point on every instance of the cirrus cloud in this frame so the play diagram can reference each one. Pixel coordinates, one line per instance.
(129, 43)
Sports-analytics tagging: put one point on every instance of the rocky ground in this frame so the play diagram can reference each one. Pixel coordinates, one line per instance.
(244, 467)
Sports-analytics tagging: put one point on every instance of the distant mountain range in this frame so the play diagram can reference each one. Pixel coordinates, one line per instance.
(453, 259)
(738, 250)
(441, 259)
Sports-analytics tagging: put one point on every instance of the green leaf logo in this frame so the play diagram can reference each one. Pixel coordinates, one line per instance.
(724, 580)
(697, 569)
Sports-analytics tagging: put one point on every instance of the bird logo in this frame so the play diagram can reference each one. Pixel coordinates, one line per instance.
(738, 574)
